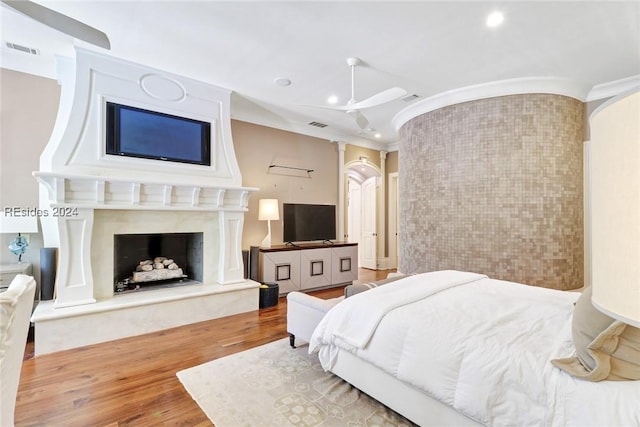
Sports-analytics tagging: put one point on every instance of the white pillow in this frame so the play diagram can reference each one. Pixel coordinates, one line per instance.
(606, 349)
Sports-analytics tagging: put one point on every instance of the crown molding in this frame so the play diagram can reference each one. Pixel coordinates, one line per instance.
(617, 87)
(550, 85)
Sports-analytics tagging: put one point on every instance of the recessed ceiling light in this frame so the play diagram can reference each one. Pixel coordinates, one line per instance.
(282, 81)
(332, 99)
(495, 19)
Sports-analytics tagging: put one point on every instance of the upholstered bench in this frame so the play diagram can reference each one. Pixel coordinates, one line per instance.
(304, 311)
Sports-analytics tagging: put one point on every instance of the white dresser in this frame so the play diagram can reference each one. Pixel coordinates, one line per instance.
(309, 266)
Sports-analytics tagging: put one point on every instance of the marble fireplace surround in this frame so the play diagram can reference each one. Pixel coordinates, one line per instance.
(87, 197)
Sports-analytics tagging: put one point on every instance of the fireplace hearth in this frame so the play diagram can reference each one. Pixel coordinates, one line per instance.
(128, 286)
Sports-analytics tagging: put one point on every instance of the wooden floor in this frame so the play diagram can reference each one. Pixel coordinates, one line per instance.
(132, 381)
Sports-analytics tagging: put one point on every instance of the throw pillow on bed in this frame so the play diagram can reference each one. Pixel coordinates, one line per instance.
(351, 290)
(606, 349)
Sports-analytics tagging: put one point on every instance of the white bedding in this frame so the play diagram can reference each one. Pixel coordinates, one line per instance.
(480, 345)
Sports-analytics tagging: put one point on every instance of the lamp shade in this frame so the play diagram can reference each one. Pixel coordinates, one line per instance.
(614, 180)
(268, 210)
(18, 224)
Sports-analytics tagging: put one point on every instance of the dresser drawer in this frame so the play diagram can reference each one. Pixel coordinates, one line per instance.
(9, 271)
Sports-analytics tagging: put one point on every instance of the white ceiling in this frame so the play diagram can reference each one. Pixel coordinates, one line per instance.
(431, 49)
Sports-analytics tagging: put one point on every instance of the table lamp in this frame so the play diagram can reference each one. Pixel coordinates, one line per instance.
(19, 225)
(614, 181)
(267, 211)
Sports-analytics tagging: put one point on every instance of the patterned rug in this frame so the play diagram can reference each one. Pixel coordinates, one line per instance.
(275, 385)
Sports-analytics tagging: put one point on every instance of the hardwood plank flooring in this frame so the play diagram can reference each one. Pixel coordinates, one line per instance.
(132, 381)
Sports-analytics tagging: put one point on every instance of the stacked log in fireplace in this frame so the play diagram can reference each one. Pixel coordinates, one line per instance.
(159, 269)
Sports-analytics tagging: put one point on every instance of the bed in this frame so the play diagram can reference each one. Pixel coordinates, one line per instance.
(457, 348)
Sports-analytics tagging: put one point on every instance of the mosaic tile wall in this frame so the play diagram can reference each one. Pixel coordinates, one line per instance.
(495, 186)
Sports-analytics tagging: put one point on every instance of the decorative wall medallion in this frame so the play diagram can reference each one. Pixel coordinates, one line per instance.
(162, 88)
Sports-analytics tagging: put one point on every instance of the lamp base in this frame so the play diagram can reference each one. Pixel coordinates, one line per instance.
(266, 243)
(18, 246)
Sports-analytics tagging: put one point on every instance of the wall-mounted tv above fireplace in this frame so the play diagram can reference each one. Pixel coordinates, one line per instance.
(135, 132)
(305, 222)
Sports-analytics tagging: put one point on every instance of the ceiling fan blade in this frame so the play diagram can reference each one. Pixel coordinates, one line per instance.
(60, 22)
(379, 98)
(360, 119)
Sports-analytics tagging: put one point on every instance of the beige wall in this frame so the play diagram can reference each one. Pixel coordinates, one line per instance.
(257, 147)
(353, 153)
(495, 186)
(392, 162)
(28, 108)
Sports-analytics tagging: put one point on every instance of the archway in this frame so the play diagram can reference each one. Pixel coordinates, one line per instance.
(362, 178)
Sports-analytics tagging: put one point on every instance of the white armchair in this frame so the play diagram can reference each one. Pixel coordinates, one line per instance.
(16, 304)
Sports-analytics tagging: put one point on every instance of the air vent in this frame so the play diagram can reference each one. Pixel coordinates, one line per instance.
(410, 98)
(318, 124)
(24, 49)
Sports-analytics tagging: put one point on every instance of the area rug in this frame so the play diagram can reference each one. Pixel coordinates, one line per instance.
(275, 385)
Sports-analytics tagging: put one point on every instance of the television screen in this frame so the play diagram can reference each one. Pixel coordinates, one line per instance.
(304, 222)
(135, 132)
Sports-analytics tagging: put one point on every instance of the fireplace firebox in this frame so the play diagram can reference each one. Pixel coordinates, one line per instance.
(149, 261)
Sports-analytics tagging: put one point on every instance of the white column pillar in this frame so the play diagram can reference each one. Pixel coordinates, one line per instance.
(74, 277)
(230, 265)
(382, 235)
(341, 207)
(70, 231)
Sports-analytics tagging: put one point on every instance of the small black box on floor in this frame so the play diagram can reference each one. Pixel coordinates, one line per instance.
(269, 293)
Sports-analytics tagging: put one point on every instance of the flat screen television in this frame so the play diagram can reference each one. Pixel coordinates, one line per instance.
(135, 132)
(305, 222)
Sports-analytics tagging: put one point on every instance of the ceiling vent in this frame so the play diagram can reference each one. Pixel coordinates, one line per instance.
(410, 98)
(24, 49)
(318, 124)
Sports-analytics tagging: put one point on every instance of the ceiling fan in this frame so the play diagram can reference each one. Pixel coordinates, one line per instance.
(60, 22)
(353, 107)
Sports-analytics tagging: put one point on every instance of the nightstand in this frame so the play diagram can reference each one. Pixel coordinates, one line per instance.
(9, 271)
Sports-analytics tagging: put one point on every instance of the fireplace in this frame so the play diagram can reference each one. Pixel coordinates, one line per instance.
(128, 210)
(158, 260)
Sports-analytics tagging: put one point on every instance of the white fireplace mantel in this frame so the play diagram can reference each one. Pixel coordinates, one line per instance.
(87, 196)
(78, 177)
(68, 203)
(98, 192)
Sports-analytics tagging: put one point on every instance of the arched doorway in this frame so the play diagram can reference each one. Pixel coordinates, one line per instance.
(362, 201)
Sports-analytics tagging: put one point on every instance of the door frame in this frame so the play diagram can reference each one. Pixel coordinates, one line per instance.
(360, 171)
(369, 220)
(393, 220)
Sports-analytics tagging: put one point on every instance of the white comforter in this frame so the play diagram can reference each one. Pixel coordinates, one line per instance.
(480, 345)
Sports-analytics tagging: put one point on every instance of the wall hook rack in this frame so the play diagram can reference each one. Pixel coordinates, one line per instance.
(294, 170)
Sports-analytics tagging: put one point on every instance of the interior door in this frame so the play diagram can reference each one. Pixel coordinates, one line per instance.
(369, 249)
